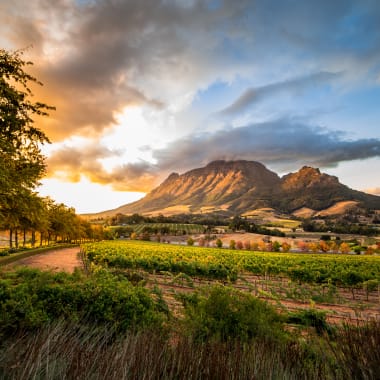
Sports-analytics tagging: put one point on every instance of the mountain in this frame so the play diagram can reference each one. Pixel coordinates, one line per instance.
(239, 186)
(310, 188)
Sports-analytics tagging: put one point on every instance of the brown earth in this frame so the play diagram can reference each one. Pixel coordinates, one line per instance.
(66, 260)
(345, 309)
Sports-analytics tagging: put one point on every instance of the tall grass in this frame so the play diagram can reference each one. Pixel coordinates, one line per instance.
(356, 351)
(67, 351)
(63, 351)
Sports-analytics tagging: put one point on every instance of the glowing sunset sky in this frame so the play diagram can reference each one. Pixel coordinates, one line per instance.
(146, 87)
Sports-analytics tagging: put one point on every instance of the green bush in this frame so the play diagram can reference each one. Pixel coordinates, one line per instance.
(29, 298)
(221, 314)
(310, 318)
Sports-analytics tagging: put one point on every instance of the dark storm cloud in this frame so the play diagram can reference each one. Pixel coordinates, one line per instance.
(282, 144)
(292, 86)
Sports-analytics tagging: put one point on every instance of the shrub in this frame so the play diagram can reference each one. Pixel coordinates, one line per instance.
(30, 298)
(221, 313)
(254, 245)
(310, 318)
(276, 246)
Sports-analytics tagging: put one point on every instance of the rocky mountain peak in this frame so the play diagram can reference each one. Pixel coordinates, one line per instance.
(239, 186)
(306, 177)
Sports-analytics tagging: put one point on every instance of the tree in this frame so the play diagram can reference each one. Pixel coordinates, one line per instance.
(323, 246)
(254, 245)
(276, 246)
(20, 141)
(247, 245)
(63, 222)
(344, 248)
(21, 162)
(262, 246)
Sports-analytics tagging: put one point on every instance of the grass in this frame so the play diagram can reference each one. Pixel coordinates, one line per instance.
(75, 351)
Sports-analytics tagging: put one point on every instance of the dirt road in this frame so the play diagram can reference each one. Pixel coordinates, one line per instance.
(65, 259)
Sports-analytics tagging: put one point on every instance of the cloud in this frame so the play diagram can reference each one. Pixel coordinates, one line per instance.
(282, 144)
(96, 58)
(71, 163)
(254, 95)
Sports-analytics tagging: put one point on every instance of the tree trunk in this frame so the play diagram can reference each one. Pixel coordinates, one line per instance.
(33, 240)
(10, 238)
(24, 238)
(16, 238)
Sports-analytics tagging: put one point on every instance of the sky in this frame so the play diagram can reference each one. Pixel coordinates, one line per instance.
(143, 88)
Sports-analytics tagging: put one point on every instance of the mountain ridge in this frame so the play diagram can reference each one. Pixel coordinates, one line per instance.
(238, 186)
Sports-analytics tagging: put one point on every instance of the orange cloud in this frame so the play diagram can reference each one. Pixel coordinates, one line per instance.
(71, 164)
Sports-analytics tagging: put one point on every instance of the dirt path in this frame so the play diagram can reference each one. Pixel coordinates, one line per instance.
(65, 259)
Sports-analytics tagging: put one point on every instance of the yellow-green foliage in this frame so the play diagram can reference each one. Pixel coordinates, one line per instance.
(30, 298)
(226, 264)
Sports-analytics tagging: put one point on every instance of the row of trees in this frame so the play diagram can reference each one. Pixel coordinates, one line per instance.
(42, 221)
(339, 226)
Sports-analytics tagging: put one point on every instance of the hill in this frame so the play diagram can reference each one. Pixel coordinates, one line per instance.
(236, 187)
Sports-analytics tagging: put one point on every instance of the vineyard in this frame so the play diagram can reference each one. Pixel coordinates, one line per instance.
(340, 270)
(162, 228)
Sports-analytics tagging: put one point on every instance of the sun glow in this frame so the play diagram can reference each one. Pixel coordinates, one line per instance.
(128, 138)
(85, 196)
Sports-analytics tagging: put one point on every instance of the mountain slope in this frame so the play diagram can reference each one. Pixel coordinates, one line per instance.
(220, 184)
(310, 188)
(238, 186)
